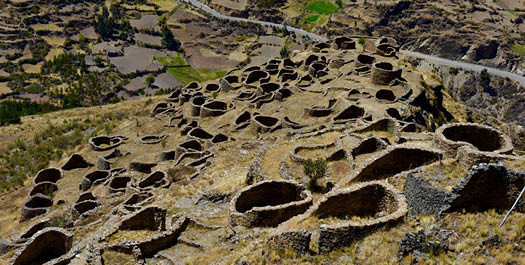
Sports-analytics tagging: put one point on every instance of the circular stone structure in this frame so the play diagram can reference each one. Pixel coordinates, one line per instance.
(268, 88)
(264, 124)
(257, 76)
(193, 86)
(46, 245)
(212, 87)
(352, 112)
(383, 73)
(344, 43)
(269, 203)
(199, 133)
(213, 109)
(94, 178)
(119, 184)
(386, 95)
(45, 187)
(35, 205)
(318, 47)
(152, 139)
(481, 137)
(196, 104)
(47, 175)
(104, 143)
(230, 82)
(364, 60)
(375, 204)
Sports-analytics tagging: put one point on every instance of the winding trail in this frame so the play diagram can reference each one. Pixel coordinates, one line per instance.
(464, 65)
(438, 60)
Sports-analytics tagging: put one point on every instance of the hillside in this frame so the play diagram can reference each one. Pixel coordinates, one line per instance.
(342, 153)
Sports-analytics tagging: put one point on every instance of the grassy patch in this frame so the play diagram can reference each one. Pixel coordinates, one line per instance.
(184, 73)
(518, 49)
(322, 7)
(311, 19)
(209, 74)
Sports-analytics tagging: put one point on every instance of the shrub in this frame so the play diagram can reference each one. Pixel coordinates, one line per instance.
(314, 170)
(361, 41)
(484, 78)
(284, 53)
(150, 79)
(168, 40)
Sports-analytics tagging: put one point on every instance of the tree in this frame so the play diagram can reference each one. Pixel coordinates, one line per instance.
(361, 41)
(339, 3)
(150, 79)
(284, 52)
(104, 24)
(314, 170)
(116, 10)
(484, 78)
(168, 40)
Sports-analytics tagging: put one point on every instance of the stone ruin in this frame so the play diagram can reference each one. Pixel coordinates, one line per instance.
(86, 203)
(47, 245)
(387, 47)
(481, 137)
(258, 115)
(44, 186)
(94, 178)
(37, 204)
(104, 143)
(152, 139)
(394, 160)
(268, 203)
(383, 73)
(353, 213)
(76, 161)
(263, 124)
(486, 186)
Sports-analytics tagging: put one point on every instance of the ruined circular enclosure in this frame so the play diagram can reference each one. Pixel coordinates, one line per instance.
(47, 175)
(94, 178)
(44, 188)
(152, 139)
(356, 211)
(383, 73)
(104, 143)
(118, 184)
(352, 112)
(386, 95)
(257, 76)
(394, 160)
(268, 203)
(481, 137)
(264, 124)
(344, 43)
(365, 60)
(213, 109)
(46, 245)
(35, 205)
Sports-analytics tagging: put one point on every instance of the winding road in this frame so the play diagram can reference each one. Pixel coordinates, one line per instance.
(438, 60)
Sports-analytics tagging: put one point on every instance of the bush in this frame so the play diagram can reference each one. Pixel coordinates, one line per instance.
(150, 79)
(11, 110)
(168, 40)
(361, 41)
(484, 78)
(284, 53)
(314, 170)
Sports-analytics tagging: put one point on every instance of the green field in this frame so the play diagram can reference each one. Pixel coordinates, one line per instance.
(311, 19)
(322, 7)
(185, 74)
(518, 49)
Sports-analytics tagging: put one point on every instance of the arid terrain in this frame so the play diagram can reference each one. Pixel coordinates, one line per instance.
(162, 134)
